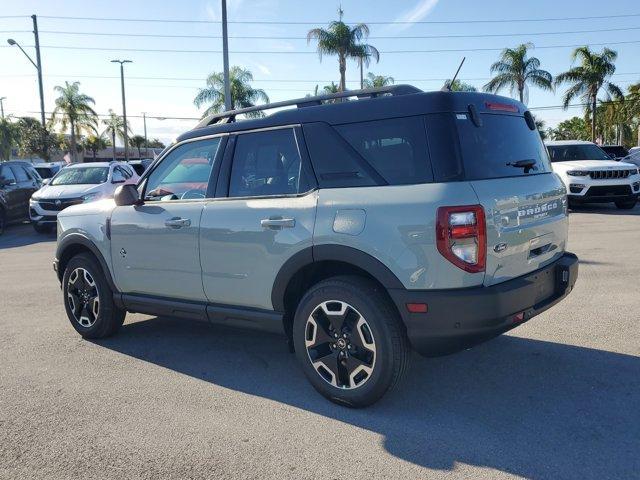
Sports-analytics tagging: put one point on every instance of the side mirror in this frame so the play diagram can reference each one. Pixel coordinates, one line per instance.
(126, 195)
(46, 181)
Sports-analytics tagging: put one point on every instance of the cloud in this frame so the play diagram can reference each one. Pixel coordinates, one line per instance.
(415, 14)
(263, 69)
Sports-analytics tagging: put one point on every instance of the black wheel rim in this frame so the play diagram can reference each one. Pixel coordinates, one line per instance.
(340, 345)
(83, 297)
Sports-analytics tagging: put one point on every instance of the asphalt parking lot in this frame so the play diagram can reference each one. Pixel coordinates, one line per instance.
(556, 398)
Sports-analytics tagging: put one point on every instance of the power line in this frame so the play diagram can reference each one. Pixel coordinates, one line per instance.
(107, 115)
(268, 22)
(293, 52)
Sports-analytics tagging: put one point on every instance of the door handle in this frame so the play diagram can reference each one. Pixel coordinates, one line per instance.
(177, 222)
(278, 223)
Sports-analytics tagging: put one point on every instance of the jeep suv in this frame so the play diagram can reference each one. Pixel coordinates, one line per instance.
(361, 225)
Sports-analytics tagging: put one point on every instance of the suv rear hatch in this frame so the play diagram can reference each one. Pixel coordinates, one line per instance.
(505, 162)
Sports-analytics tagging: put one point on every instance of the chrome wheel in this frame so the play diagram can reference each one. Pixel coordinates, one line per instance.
(83, 297)
(340, 344)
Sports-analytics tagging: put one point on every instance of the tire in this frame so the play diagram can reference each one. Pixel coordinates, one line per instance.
(626, 205)
(42, 228)
(372, 354)
(84, 280)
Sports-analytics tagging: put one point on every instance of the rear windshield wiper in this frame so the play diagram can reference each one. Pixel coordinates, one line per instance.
(526, 164)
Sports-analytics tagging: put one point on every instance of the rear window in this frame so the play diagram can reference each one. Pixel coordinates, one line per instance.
(493, 149)
(395, 148)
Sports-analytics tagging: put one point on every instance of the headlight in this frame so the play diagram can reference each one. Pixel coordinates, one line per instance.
(33, 201)
(577, 173)
(89, 197)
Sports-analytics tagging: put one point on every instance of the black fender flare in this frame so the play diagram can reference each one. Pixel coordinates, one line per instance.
(330, 252)
(75, 239)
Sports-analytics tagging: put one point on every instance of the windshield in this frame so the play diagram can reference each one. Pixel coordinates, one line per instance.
(570, 153)
(81, 176)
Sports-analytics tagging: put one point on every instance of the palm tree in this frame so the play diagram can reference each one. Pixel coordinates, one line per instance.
(375, 81)
(587, 78)
(242, 93)
(459, 86)
(94, 143)
(137, 141)
(114, 128)
(344, 41)
(515, 71)
(331, 88)
(73, 109)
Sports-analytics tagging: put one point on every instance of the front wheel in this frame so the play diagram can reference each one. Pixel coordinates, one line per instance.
(350, 340)
(626, 205)
(88, 299)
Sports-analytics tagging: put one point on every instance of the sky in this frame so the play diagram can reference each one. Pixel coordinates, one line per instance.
(163, 84)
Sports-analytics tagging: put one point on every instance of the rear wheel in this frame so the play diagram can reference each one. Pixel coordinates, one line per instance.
(350, 341)
(88, 299)
(627, 205)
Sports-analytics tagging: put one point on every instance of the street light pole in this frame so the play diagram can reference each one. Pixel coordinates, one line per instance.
(39, 68)
(225, 58)
(124, 108)
(146, 144)
(2, 106)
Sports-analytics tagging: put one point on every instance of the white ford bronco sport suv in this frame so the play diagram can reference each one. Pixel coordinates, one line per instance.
(360, 229)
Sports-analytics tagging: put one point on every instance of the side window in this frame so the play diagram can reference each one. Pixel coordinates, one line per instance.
(124, 171)
(395, 148)
(184, 173)
(266, 163)
(20, 173)
(7, 175)
(335, 162)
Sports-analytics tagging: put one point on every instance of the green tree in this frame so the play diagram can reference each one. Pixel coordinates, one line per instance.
(114, 128)
(94, 143)
(344, 41)
(331, 88)
(8, 138)
(33, 139)
(516, 71)
(155, 143)
(459, 86)
(137, 141)
(243, 95)
(376, 81)
(588, 78)
(73, 110)
(575, 128)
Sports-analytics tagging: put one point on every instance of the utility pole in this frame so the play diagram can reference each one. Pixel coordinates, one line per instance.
(124, 108)
(146, 144)
(39, 68)
(225, 58)
(2, 106)
(361, 75)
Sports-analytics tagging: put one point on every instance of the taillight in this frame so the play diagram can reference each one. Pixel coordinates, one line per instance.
(461, 236)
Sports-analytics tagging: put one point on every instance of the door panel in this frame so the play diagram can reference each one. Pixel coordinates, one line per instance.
(152, 254)
(11, 193)
(245, 242)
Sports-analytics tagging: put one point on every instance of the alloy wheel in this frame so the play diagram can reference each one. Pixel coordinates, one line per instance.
(83, 297)
(340, 344)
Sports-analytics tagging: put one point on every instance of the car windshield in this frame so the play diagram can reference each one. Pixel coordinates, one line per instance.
(81, 176)
(570, 153)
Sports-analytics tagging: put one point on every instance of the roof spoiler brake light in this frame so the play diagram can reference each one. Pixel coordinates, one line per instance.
(505, 107)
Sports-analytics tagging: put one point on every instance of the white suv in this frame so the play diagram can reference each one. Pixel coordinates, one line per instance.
(591, 176)
(81, 183)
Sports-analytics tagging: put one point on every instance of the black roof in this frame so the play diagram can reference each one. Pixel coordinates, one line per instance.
(377, 104)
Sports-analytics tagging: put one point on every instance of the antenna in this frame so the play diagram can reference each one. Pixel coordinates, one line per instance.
(447, 85)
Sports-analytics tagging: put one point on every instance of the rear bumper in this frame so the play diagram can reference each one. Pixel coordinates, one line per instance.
(460, 318)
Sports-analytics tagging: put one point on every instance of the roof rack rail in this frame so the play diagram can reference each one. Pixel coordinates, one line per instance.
(230, 116)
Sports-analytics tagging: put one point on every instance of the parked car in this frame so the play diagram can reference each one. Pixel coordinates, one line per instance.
(48, 170)
(591, 176)
(74, 184)
(140, 165)
(358, 229)
(18, 181)
(633, 157)
(616, 152)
